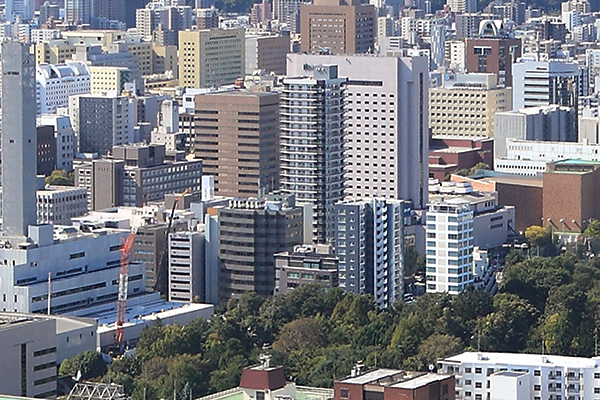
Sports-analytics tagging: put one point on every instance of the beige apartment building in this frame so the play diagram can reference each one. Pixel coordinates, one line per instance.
(465, 105)
(337, 26)
(237, 138)
(211, 58)
(267, 52)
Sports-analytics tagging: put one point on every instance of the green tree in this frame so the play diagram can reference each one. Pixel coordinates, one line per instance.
(593, 229)
(90, 363)
(478, 167)
(431, 349)
(61, 178)
(301, 334)
(538, 236)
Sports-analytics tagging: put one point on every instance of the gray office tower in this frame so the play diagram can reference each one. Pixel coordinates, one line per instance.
(19, 144)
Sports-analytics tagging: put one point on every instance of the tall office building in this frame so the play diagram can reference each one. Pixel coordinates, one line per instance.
(211, 58)
(465, 105)
(237, 139)
(449, 251)
(66, 144)
(112, 10)
(369, 243)
(267, 53)
(250, 233)
(312, 143)
(542, 83)
(78, 12)
(19, 139)
(22, 9)
(101, 122)
(337, 27)
(387, 132)
(86, 263)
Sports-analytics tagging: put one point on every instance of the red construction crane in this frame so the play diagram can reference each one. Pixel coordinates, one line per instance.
(123, 284)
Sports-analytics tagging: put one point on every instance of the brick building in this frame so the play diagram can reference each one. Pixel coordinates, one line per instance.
(494, 55)
(572, 212)
(389, 384)
(447, 155)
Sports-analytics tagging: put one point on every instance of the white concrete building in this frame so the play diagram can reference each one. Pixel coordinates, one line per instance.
(186, 266)
(455, 54)
(492, 224)
(541, 83)
(28, 348)
(55, 83)
(387, 131)
(369, 242)
(547, 123)
(58, 204)
(65, 139)
(449, 244)
(483, 375)
(312, 143)
(529, 157)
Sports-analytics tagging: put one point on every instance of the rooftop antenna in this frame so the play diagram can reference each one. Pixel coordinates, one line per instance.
(50, 291)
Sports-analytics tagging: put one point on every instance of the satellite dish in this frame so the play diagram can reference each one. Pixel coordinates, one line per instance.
(431, 367)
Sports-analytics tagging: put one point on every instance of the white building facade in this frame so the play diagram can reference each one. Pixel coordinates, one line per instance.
(387, 128)
(186, 266)
(486, 375)
(55, 83)
(449, 246)
(58, 204)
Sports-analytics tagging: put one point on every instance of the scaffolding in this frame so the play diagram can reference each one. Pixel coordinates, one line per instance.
(97, 391)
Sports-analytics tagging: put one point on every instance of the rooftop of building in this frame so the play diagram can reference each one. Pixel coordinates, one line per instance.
(534, 360)
(394, 378)
(153, 310)
(511, 179)
(10, 320)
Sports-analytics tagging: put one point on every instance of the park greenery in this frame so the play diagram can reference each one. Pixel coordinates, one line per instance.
(60, 177)
(544, 304)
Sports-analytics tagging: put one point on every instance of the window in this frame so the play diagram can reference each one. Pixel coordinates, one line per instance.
(478, 370)
(538, 373)
(478, 385)
(467, 370)
(260, 395)
(344, 393)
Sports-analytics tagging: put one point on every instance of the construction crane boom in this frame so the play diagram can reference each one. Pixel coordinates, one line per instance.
(123, 288)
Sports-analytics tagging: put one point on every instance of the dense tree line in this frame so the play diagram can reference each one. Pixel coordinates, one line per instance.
(549, 304)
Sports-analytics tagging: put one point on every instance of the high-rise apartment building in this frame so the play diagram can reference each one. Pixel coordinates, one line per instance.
(493, 55)
(210, 58)
(251, 232)
(186, 266)
(465, 105)
(386, 129)
(312, 144)
(101, 122)
(449, 246)
(369, 241)
(337, 27)
(237, 139)
(19, 139)
(305, 265)
(207, 18)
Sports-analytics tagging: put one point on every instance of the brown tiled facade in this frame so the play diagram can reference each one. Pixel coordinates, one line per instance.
(570, 195)
(336, 25)
(237, 138)
(495, 55)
